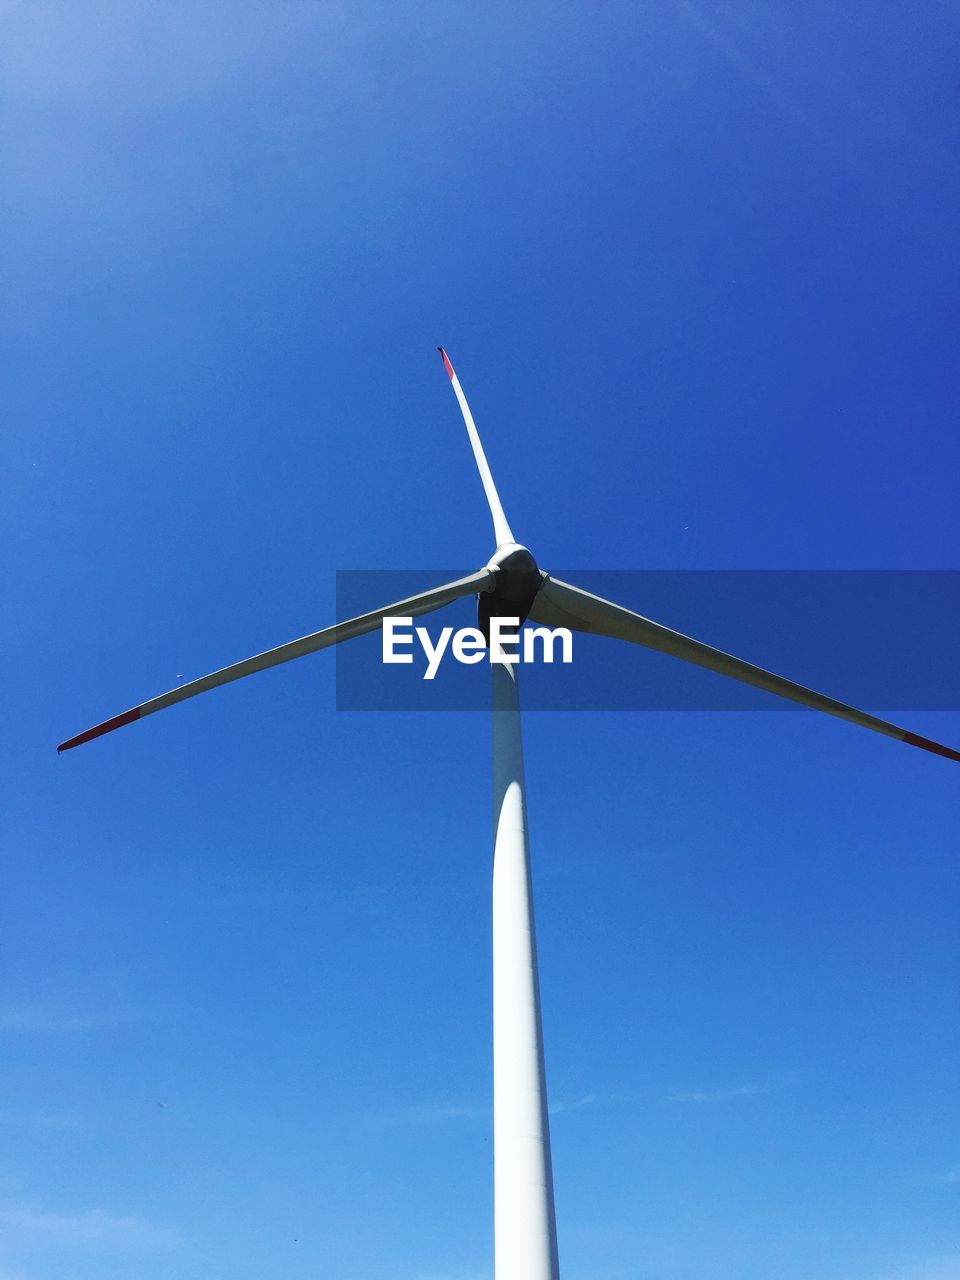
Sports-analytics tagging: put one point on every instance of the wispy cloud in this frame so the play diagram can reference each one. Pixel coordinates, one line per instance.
(949, 1179)
(24, 1221)
(59, 1122)
(434, 1113)
(451, 1273)
(718, 1095)
(736, 52)
(46, 1019)
(8, 1272)
(940, 1267)
(574, 1104)
(448, 1112)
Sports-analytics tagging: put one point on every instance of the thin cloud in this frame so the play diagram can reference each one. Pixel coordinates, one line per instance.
(943, 1267)
(29, 1220)
(949, 1179)
(434, 1113)
(727, 45)
(576, 1104)
(718, 1095)
(7, 1272)
(39, 1120)
(43, 1019)
(449, 1112)
(451, 1273)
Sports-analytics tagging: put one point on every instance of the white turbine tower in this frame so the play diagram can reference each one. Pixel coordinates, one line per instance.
(512, 586)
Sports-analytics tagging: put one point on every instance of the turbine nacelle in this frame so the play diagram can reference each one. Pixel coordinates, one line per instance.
(516, 584)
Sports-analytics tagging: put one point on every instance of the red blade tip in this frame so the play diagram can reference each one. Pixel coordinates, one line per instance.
(938, 749)
(446, 361)
(116, 722)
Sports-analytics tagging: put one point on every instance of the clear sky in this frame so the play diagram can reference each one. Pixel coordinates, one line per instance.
(696, 264)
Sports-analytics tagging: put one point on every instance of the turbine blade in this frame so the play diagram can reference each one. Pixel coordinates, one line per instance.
(425, 602)
(560, 605)
(501, 527)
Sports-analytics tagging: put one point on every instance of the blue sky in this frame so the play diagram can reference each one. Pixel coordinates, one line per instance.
(696, 265)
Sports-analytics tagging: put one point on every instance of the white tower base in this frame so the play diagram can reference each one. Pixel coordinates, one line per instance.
(525, 1231)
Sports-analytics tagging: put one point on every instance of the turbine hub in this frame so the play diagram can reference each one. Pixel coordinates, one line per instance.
(518, 581)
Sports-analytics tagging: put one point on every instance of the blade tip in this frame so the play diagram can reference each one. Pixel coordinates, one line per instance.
(106, 726)
(446, 361)
(927, 744)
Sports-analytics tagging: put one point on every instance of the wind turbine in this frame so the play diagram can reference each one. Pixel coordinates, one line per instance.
(512, 586)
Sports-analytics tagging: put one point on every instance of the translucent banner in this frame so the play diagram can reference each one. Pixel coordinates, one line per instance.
(879, 640)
